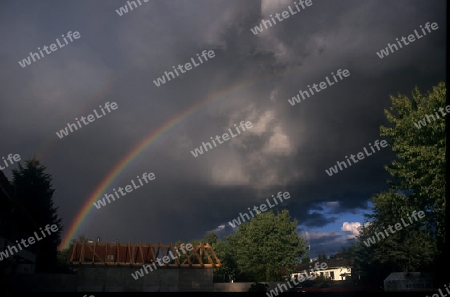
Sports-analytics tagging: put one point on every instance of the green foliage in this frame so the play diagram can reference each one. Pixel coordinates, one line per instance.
(182, 255)
(263, 246)
(418, 183)
(420, 162)
(349, 252)
(81, 238)
(34, 190)
(63, 257)
(62, 261)
(305, 259)
(321, 256)
(229, 270)
(408, 249)
(211, 238)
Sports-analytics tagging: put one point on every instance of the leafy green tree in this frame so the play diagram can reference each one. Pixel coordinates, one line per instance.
(34, 189)
(408, 249)
(420, 162)
(265, 245)
(418, 183)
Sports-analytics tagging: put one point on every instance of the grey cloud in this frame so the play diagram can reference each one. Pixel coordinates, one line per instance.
(117, 59)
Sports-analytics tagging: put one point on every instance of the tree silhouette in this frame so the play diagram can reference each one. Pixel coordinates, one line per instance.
(34, 190)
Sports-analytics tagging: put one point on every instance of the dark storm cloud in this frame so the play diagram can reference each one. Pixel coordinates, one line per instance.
(324, 242)
(289, 147)
(316, 219)
(351, 201)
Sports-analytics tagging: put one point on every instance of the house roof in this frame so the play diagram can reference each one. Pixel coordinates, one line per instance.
(331, 263)
(116, 253)
(412, 276)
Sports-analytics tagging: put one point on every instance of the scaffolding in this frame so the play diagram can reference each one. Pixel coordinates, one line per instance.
(104, 253)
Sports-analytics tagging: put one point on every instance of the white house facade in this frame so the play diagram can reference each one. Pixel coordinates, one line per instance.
(338, 270)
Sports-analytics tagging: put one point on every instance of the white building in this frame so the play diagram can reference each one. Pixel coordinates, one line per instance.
(337, 273)
(338, 269)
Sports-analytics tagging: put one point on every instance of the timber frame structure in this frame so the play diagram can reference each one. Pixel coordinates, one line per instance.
(116, 254)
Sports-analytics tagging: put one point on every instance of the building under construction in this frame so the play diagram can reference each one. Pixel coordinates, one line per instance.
(108, 267)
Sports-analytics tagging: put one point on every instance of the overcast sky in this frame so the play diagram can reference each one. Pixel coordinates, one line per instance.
(289, 147)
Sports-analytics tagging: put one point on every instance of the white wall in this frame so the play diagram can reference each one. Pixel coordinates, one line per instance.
(327, 273)
(337, 273)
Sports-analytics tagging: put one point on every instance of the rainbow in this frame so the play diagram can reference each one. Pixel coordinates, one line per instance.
(136, 151)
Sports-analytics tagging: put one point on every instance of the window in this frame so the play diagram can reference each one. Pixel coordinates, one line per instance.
(109, 258)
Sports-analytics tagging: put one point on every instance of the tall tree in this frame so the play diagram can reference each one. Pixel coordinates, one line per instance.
(34, 189)
(265, 245)
(420, 152)
(417, 137)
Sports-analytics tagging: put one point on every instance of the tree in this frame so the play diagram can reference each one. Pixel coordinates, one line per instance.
(418, 183)
(229, 270)
(264, 246)
(321, 256)
(81, 238)
(409, 249)
(62, 261)
(222, 274)
(348, 252)
(305, 259)
(211, 238)
(420, 163)
(63, 256)
(33, 188)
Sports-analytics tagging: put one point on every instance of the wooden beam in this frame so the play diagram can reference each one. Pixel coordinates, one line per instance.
(82, 251)
(74, 246)
(193, 259)
(142, 254)
(117, 252)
